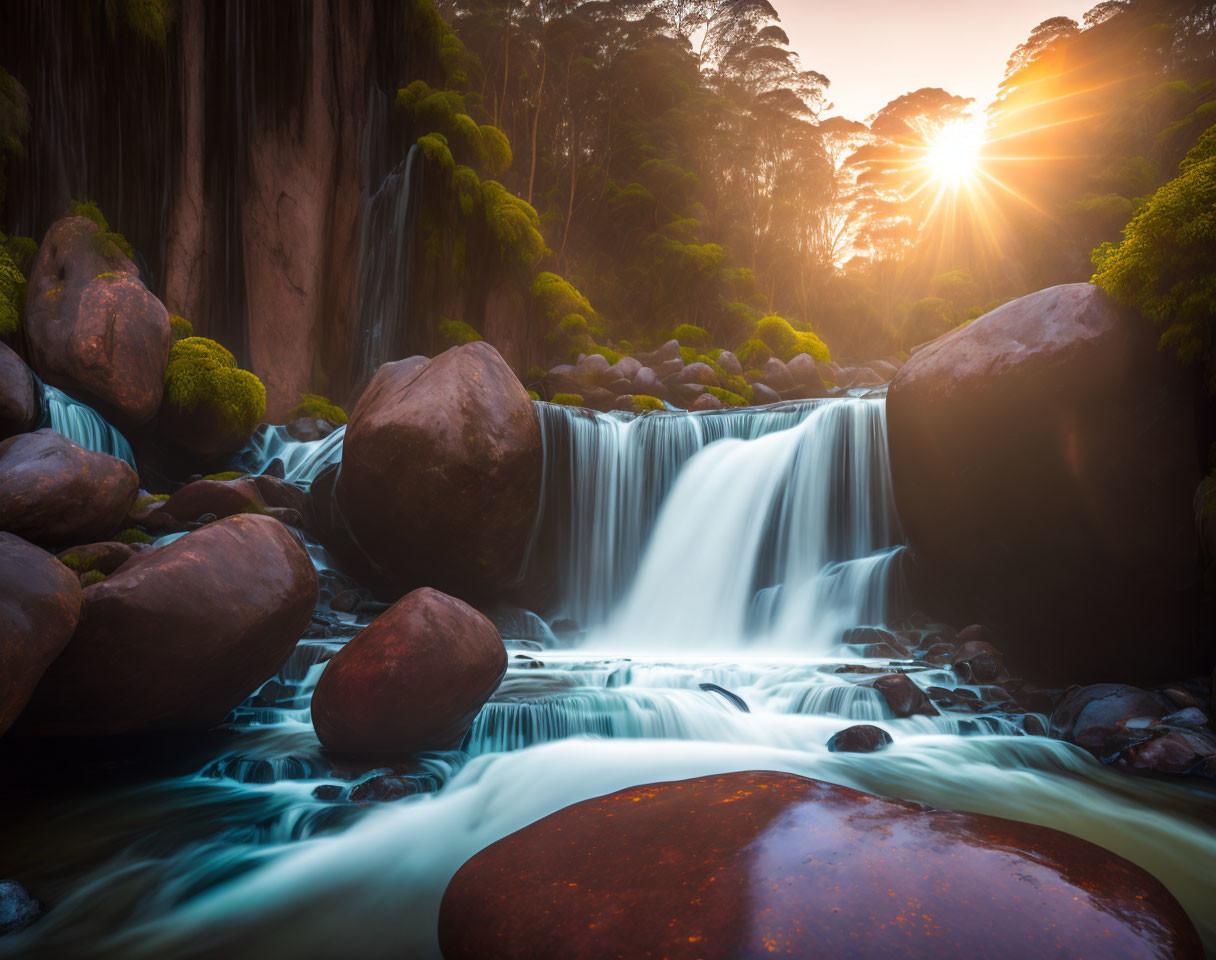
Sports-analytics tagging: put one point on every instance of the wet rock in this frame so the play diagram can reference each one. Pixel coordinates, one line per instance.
(20, 396)
(1173, 752)
(328, 792)
(413, 680)
(903, 696)
(978, 661)
(40, 602)
(306, 429)
(276, 492)
(730, 697)
(53, 491)
(460, 435)
(1190, 717)
(1056, 426)
(17, 908)
(181, 636)
(741, 866)
(762, 394)
(383, 789)
(92, 325)
(345, 602)
(939, 653)
(860, 738)
(221, 498)
(104, 557)
(707, 401)
(1104, 718)
(286, 515)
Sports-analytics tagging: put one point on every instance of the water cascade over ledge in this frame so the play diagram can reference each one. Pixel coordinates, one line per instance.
(82, 424)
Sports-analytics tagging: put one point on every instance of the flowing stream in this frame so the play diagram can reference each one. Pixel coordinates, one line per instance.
(707, 568)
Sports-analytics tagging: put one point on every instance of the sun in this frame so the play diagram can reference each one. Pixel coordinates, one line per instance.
(953, 155)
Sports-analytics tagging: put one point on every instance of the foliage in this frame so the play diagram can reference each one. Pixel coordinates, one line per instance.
(727, 397)
(457, 332)
(201, 372)
(225, 476)
(150, 19)
(690, 335)
(319, 408)
(568, 399)
(12, 293)
(1165, 265)
(106, 242)
(132, 535)
(90, 577)
(180, 327)
(786, 342)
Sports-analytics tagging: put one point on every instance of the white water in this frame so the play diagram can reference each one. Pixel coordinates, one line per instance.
(302, 459)
(82, 424)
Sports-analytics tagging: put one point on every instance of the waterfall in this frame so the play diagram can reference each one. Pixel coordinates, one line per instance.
(302, 459)
(386, 256)
(82, 424)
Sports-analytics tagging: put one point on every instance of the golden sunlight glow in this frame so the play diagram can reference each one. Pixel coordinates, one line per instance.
(954, 154)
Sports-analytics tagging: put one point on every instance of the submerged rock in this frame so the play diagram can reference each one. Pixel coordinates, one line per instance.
(180, 635)
(761, 864)
(54, 491)
(441, 471)
(92, 325)
(903, 696)
(859, 738)
(39, 607)
(1043, 461)
(20, 405)
(412, 680)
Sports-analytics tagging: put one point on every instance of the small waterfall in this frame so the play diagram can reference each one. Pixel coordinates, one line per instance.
(82, 424)
(386, 256)
(302, 459)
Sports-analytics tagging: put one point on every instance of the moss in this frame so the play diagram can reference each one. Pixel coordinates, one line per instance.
(77, 563)
(12, 294)
(568, 399)
(133, 535)
(644, 403)
(457, 332)
(435, 148)
(318, 407)
(736, 384)
(533, 395)
(21, 250)
(514, 225)
(150, 19)
(90, 577)
(467, 186)
(753, 353)
(786, 342)
(106, 242)
(535, 374)
(688, 355)
(496, 149)
(727, 397)
(226, 475)
(180, 327)
(203, 373)
(690, 335)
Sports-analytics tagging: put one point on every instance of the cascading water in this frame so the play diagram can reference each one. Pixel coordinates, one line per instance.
(767, 542)
(302, 460)
(81, 423)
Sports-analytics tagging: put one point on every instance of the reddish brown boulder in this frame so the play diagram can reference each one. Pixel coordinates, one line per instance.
(903, 696)
(182, 635)
(223, 498)
(104, 557)
(20, 405)
(412, 680)
(39, 607)
(706, 401)
(1044, 460)
(859, 738)
(749, 865)
(54, 491)
(92, 325)
(441, 470)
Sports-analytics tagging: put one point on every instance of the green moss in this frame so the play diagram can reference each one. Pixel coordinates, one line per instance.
(568, 399)
(514, 225)
(496, 148)
(753, 353)
(226, 475)
(21, 250)
(467, 186)
(76, 563)
(532, 394)
(133, 535)
(90, 577)
(727, 397)
(535, 374)
(786, 342)
(180, 327)
(690, 335)
(737, 385)
(319, 408)
(644, 403)
(457, 332)
(106, 242)
(12, 294)
(203, 373)
(688, 355)
(150, 19)
(435, 148)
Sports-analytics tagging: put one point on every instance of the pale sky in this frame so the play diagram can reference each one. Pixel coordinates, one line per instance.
(875, 50)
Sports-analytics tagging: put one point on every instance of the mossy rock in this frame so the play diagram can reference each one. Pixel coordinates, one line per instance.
(786, 342)
(210, 405)
(568, 399)
(318, 408)
(753, 353)
(132, 535)
(77, 564)
(106, 242)
(225, 475)
(533, 395)
(180, 327)
(644, 403)
(90, 577)
(456, 333)
(727, 397)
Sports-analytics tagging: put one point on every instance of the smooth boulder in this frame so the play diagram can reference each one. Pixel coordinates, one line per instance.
(1043, 459)
(92, 325)
(181, 635)
(39, 608)
(441, 471)
(20, 395)
(54, 491)
(748, 865)
(412, 680)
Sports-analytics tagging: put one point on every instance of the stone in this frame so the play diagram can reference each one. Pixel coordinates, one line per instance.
(40, 604)
(441, 471)
(104, 557)
(646, 382)
(17, 908)
(1097, 716)
(742, 866)
(777, 375)
(762, 395)
(978, 661)
(222, 498)
(92, 325)
(730, 364)
(304, 429)
(180, 636)
(1174, 752)
(855, 377)
(706, 401)
(626, 368)
(903, 696)
(54, 491)
(383, 789)
(20, 395)
(1056, 427)
(860, 738)
(805, 373)
(886, 371)
(412, 680)
(701, 373)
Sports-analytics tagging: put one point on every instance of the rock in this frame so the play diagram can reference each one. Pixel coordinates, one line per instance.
(1175, 752)
(762, 394)
(328, 792)
(829, 370)
(441, 471)
(1188, 717)
(383, 789)
(885, 371)
(777, 375)
(222, 498)
(730, 364)
(805, 373)
(92, 325)
(978, 661)
(304, 429)
(346, 601)
(903, 696)
(621, 387)
(286, 515)
(53, 491)
(1056, 427)
(276, 492)
(669, 351)
(701, 373)
(412, 680)
(741, 866)
(104, 557)
(592, 370)
(20, 395)
(17, 908)
(707, 401)
(647, 382)
(39, 608)
(182, 635)
(626, 368)
(854, 377)
(1104, 717)
(860, 738)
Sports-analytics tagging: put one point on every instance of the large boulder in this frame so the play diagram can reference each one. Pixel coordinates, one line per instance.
(92, 325)
(20, 397)
(180, 635)
(750, 865)
(54, 491)
(39, 607)
(441, 471)
(1044, 460)
(412, 680)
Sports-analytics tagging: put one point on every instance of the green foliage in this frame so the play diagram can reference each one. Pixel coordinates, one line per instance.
(76, 563)
(90, 577)
(319, 408)
(497, 149)
(435, 148)
(456, 332)
(12, 294)
(568, 399)
(133, 535)
(727, 397)
(690, 335)
(180, 327)
(535, 374)
(786, 342)
(928, 319)
(560, 301)
(533, 395)
(106, 242)
(753, 353)
(1165, 265)
(21, 250)
(513, 224)
(644, 403)
(201, 372)
(150, 19)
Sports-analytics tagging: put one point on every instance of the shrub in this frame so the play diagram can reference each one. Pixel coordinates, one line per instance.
(319, 408)
(753, 353)
(568, 399)
(21, 250)
(203, 373)
(180, 327)
(457, 332)
(514, 225)
(786, 342)
(691, 336)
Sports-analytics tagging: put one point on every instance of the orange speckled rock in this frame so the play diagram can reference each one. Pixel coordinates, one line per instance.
(762, 864)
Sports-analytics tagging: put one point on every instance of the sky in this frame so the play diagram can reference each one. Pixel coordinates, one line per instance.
(875, 50)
